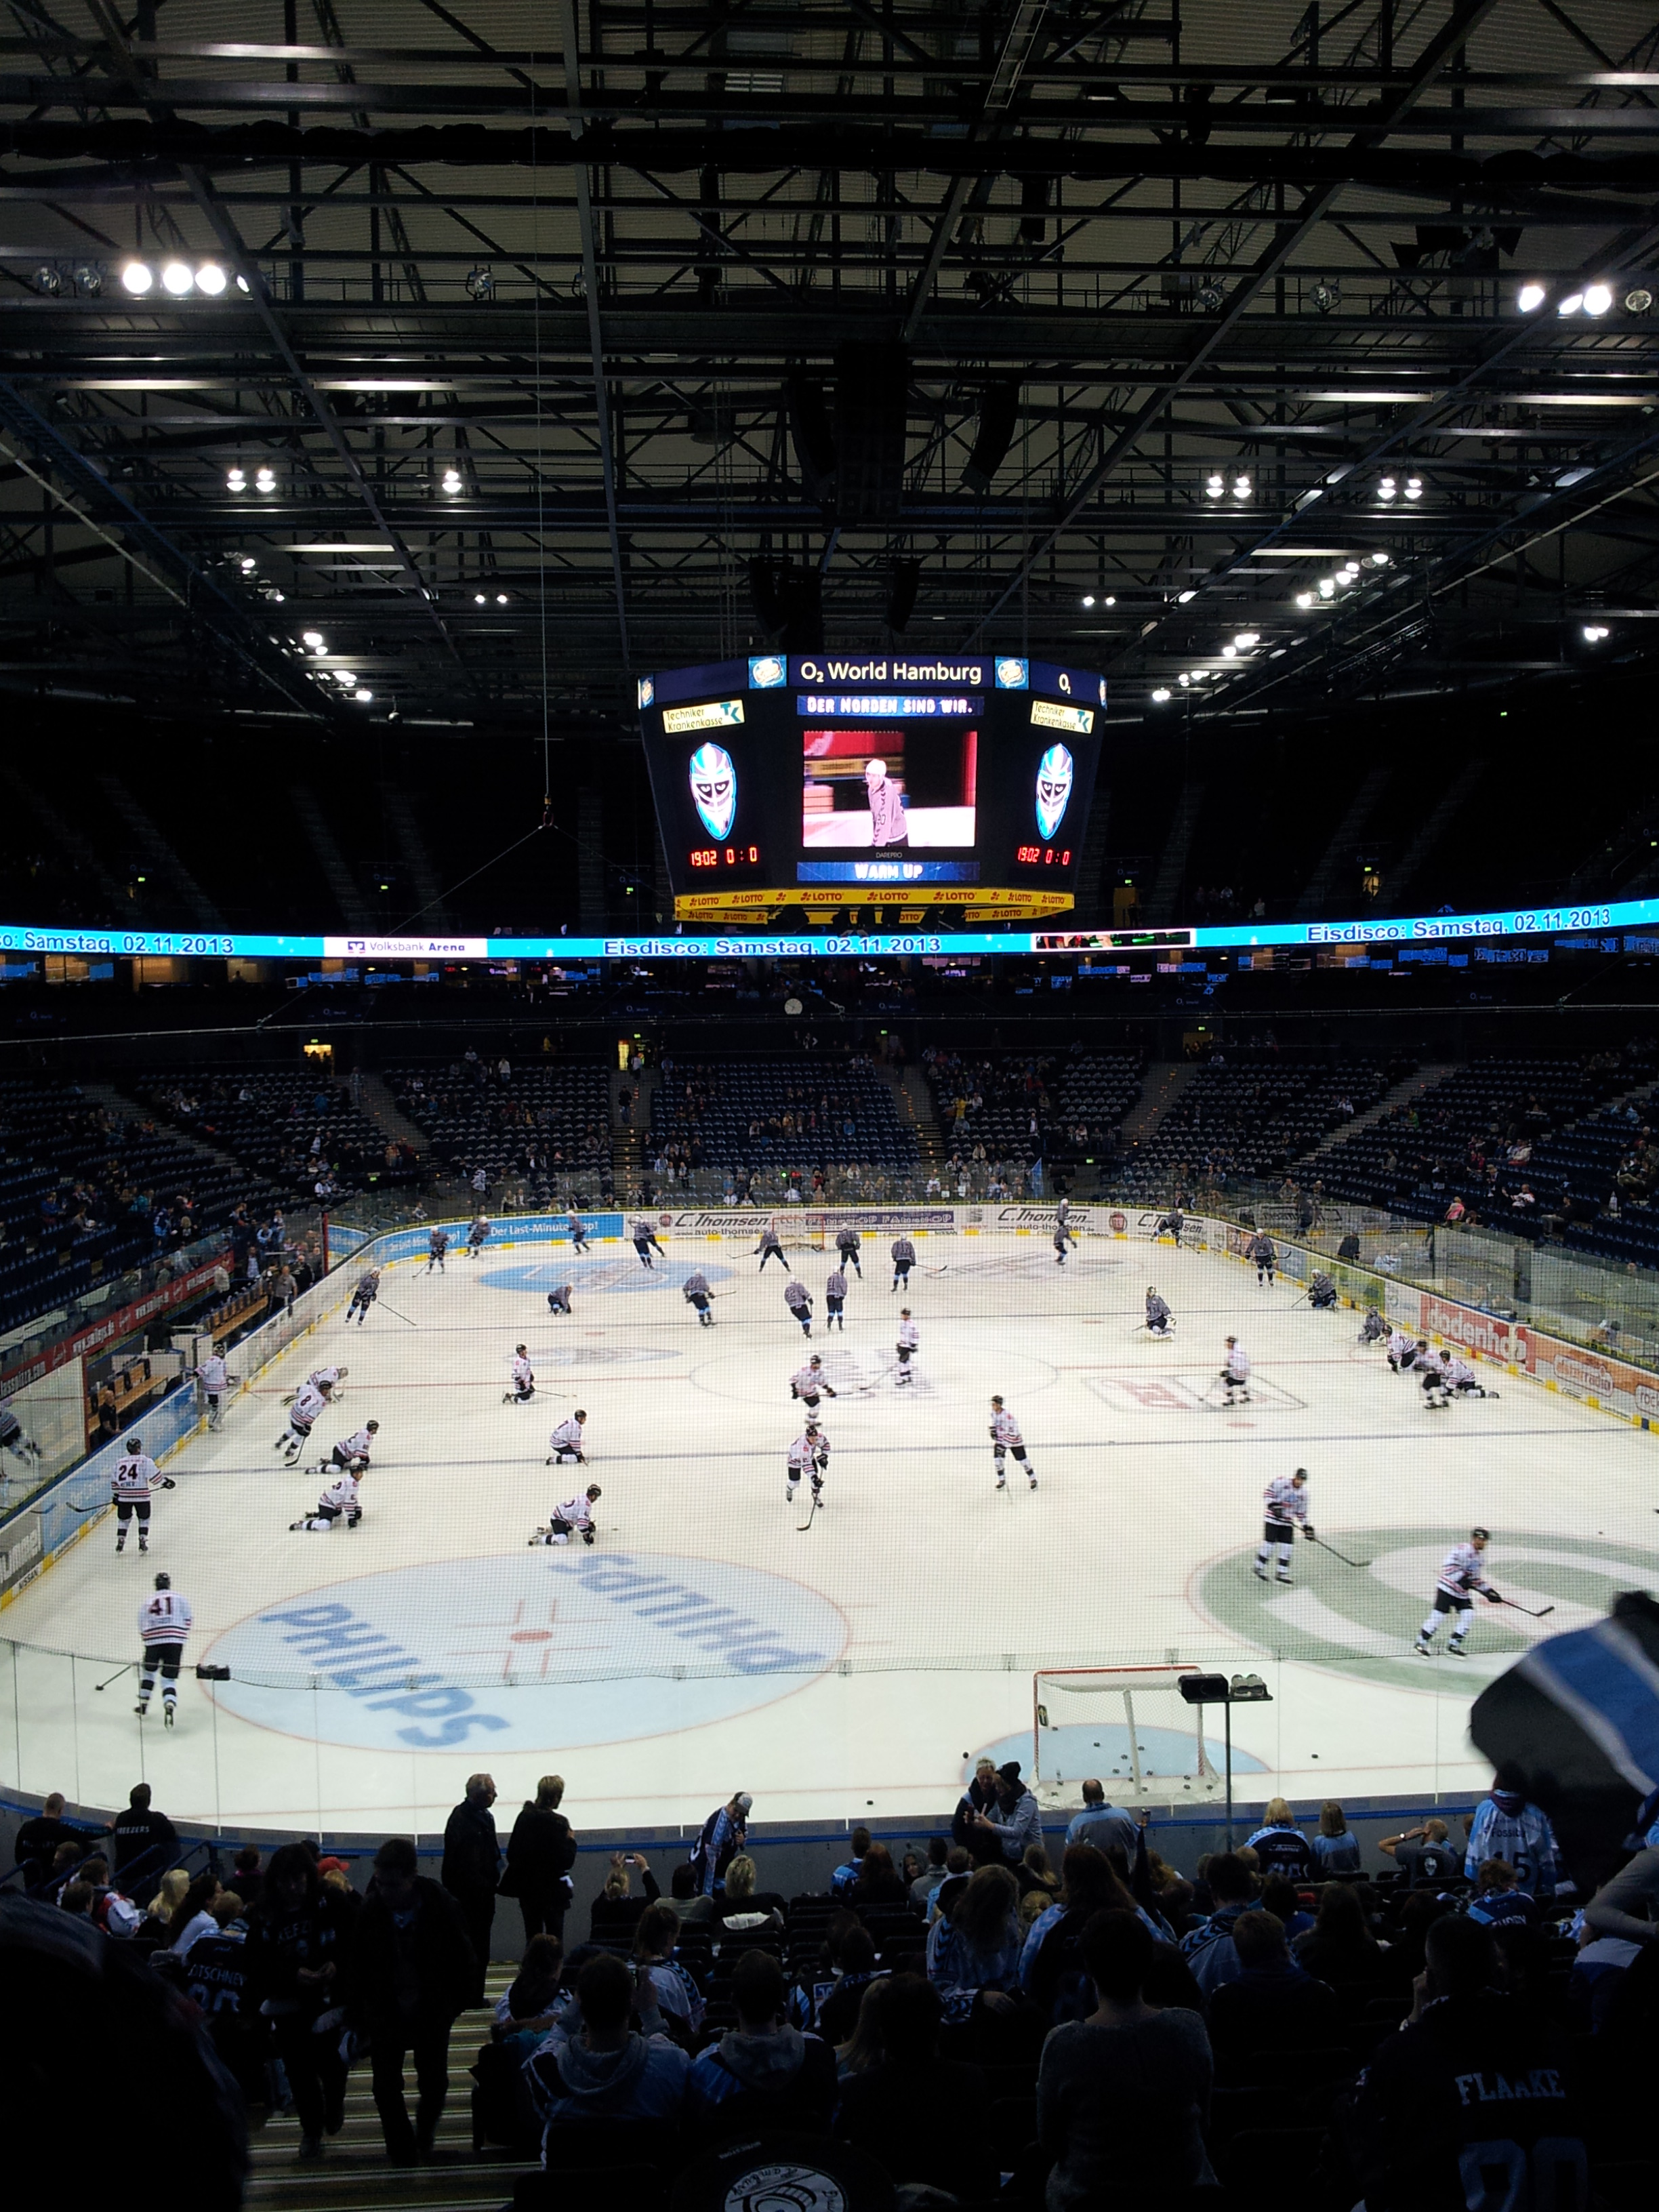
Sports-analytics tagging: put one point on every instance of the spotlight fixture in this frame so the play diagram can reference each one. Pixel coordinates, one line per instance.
(1230, 652)
(1639, 301)
(248, 564)
(314, 638)
(344, 678)
(1386, 488)
(1214, 486)
(1571, 305)
(1246, 639)
(1110, 599)
(265, 479)
(1326, 297)
(319, 649)
(481, 283)
(235, 479)
(452, 480)
(1210, 298)
(478, 599)
(1241, 487)
(501, 598)
(178, 277)
(211, 279)
(49, 280)
(1413, 487)
(1183, 679)
(1379, 560)
(1598, 298)
(1181, 598)
(89, 279)
(362, 697)
(1328, 587)
(136, 277)
(1088, 599)
(1593, 633)
(1529, 298)
(1160, 697)
(1304, 599)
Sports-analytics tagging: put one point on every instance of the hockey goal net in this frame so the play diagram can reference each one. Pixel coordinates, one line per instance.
(798, 1229)
(1127, 1726)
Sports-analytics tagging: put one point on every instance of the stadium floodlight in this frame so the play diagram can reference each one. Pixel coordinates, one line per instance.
(136, 277)
(1593, 633)
(1246, 639)
(1530, 297)
(1160, 697)
(1230, 652)
(1215, 485)
(1571, 305)
(362, 697)
(480, 283)
(178, 277)
(210, 278)
(314, 638)
(1413, 487)
(1181, 598)
(1110, 599)
(235, 479)
(1639, 301)
(452, 480)
(1241, 487)
(1326, 297)
(479, 599)
(1379, 560)
(249, 564)
(265, 478)
(1386, 488)
(1088, 599)
(1328, 587)
(1304, 599)
(1183, 680)
(1598, 298)
(345, 678)
(48, 280)
(501, 598)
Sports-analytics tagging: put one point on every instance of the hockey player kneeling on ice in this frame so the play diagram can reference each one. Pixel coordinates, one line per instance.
(1260, 1250)
(908, 1340)
(1322, 1292)
(1285, 1503)
(1170, 1223)
(12, 1438)
(807, 1382)
(809, 1454)
(340, 1500)
(1159, 1320)
(558, 1298)
(567, 1441)
(1460, 1574)
(523, 1381)
(573, 1518)
(1006, 1437)
(164, 1625)
(134, 1477)
(1236, 1371)
(351, 1454)
(796, 1297)
(1406, 1352)
(1444, 1374)
(697, 1294)
(1373, 1329)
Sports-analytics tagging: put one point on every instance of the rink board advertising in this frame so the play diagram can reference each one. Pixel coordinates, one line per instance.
(827, 781)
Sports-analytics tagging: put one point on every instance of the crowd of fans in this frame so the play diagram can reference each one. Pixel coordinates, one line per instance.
(980, 2018)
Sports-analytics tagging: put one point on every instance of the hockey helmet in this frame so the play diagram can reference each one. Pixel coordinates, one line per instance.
(164, 1581)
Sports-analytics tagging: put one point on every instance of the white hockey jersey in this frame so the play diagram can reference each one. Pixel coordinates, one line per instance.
(356, 1446)
(1004, 1429)
(1284, 1499)
(215, 1374)
(342, 1494)
(568, 1437)
(164, 1618)
(522, 1375)
(578, 1512)
(1399, 1344)
(809, 1382)
(909, 1336)
(325, 1378)
(1237, 1362)
(1460, 1571)
(1458, 1371)
(308, 1402)
(134, 1474)
(807, 1451)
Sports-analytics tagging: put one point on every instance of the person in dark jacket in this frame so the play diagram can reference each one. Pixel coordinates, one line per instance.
(1273, 2006)
(616, 1912)
(146, 1845)
(764, 2076)
(923, 2117)
(1281, 1846)
(472, 1869)
(412, 1971)
(975, 1804)
(298, 1949)
(38, 1839)
(540, 1853)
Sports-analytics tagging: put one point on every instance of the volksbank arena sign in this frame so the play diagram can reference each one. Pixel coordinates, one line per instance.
(1640, 916)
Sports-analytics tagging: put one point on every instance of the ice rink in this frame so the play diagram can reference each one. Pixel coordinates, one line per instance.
(705, 1644)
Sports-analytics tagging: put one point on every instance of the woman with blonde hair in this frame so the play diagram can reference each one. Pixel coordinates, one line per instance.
(1335, 1847)
(617, 1911)
(973, 1951)
(540, 1853)
(1281, 1846)
(169, 1896)
(743, 1905)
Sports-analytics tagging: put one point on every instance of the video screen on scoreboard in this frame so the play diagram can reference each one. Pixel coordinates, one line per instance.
(797, 775)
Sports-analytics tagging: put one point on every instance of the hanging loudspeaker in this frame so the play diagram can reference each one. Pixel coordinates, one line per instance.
(904, 577)
(999, 418)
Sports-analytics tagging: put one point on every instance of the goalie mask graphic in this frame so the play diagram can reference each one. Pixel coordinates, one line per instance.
(714, 781)
(1054, 789)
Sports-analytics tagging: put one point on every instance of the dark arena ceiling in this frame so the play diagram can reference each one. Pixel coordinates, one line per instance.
(1267, 355)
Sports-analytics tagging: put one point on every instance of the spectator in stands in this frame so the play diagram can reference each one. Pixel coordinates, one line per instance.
(1123, 2096)
(1210, 1950)
(1507, 1827)
(969, 1826)
(247, 1877)
(923, 1889)
(1280, 1846)
(1339, 1947)
(540, 1853)
(1413, 2127)
(39, 1837)
(472, 1869)
(973, 1949)
(764, 2075)
(1424, 1855)
(146, 1843)
(684, 1900)
(1336, 1848)
(724, 1834)
(879, 1880)
(603, 2071)
(1051, 1969)
(412, 1971)
(743, 1901)
(921, 2116)
(1500, 1901)
(1274, 2004)
(192, 1918)
(679, 1997)
(1014, 1820)
(297, 1954)
(616, 1913)
(116, 1915)
(1100, 1823)
(536, 1998)
(844, 1876)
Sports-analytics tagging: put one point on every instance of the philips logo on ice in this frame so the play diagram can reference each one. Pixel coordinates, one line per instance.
(485, 1652)
(713, 779)
(1055, 773)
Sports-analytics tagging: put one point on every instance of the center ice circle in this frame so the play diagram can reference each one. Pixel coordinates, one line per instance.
(533, 1651)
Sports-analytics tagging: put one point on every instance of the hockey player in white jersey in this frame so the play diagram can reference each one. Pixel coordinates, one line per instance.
(341, 1501)
(165, 1621)
(351, 1454)
(133, 1481)
(1446, 1375)
(1405, 1351)
(1260, 1250)
(213, 1380)
(1159, 1320)
(909, 1341)
(567, 1442)
(697, 1295)
(573, 1518)
(810, 1456)
(1460, 1575)
(1236, 1372)
(524, 1379)
(1005, 1438)
(1284, 1505)
(799, 1299)
(308, 1402)
(835, 1300)
(328, 1380)
(810, 1382)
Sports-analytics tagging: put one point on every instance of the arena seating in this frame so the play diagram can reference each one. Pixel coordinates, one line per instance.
(797, 1114)
(992, 1100)
(270, 1120)
(1253, 1116)
(556, 1116)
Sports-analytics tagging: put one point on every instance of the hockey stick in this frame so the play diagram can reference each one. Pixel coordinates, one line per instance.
(117, 1676)
(1532, 1614)
(801, 1526)
(937, 1271)
(396, 1316)
(1335, 1554)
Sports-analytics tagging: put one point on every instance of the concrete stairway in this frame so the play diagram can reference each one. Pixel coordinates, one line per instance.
(915, 1099)
(374, 1095)
(1164, 1082)
(1401, 1094)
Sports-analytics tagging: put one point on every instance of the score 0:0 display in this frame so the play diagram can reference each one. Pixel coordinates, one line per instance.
(708, 856)
(1047, 856)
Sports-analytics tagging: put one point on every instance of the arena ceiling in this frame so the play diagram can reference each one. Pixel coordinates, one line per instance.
(1267, 357)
